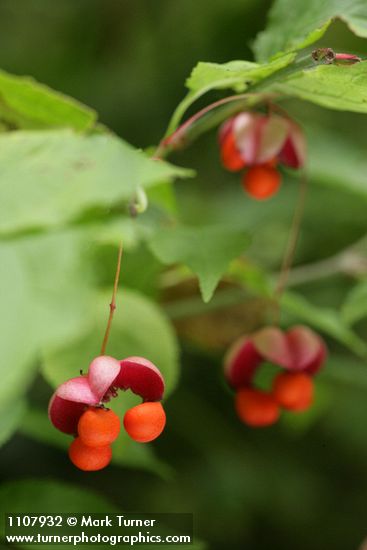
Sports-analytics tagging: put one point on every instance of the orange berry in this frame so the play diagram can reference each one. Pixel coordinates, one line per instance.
(293, 390)
(98, 427)
(230, 155)
(145, 422)
(87, 458)
(261, 182)
(256, 408)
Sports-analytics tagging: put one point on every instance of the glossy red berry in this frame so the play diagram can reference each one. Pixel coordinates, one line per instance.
(293, 390)
(89, 459)
(256, 408)
(145, 422)
(98, 427)
(261, 182)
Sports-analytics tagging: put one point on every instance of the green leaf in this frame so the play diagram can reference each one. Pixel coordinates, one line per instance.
(325, 319)
(327, 162)
(355, 306)
(51, 177)
(294, 25)
(139, 328)
(18, 345)
(343, 88)
(207, 251)
(114, 229)
(44, 299)
(10, 418)
(126, 452)
(235, 75)
(24, 103)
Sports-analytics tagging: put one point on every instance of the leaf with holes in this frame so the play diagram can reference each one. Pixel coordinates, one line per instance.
(52, 177)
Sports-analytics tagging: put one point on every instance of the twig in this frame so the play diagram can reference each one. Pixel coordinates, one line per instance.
(173, 139)
(292, 243)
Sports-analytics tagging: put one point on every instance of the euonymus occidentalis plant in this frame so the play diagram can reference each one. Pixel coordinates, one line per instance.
(82, 172)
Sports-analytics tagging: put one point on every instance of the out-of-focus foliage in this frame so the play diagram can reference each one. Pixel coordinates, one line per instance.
(27, 104)
(45, 167)
(35, 307)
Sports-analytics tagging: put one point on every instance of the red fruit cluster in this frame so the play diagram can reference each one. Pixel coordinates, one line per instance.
(77, 408)
(98, 427)
(300, 352)
(258, 143)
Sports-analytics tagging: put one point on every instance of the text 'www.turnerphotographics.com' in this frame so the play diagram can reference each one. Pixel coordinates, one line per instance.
(89, 528)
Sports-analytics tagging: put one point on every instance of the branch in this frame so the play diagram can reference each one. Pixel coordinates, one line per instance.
(291, 244)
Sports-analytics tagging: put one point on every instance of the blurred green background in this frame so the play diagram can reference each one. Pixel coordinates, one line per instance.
(301, 484)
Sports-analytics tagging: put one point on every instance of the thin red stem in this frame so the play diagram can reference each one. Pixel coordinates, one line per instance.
(292, 242)
(113, 301)
(180, 131)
